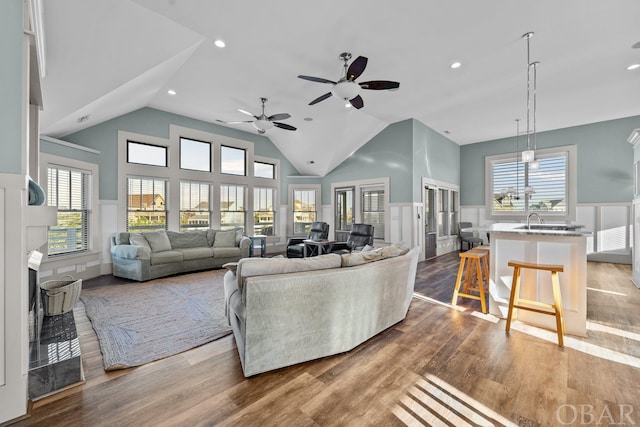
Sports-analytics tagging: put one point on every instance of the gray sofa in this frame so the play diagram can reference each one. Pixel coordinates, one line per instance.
(146, 256)
(288, 311)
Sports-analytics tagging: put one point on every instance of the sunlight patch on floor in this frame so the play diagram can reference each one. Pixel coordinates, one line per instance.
(435, 402)
(578, 345)
(593, 326)
(435, 301)
(607, 292)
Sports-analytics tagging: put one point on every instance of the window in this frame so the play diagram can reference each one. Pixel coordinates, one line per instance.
(195, 155)
(264, 170)
(146, 209)
(344, 208)
(516, 190)
(194, 206)
(373, 210)
(233, 160)
(232, 210)
(453, 213)
(304, 210)
(263, 212)
(146, 154)
(70, 192)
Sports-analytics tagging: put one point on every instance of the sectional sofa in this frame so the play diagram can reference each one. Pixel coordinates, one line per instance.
(287, 311)
(146, 256)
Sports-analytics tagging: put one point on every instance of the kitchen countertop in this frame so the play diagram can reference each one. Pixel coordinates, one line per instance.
(560, 230)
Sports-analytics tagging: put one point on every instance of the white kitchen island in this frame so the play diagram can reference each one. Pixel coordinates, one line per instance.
(542, 244)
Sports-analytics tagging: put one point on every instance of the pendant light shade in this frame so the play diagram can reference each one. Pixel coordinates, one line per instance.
(528, 156)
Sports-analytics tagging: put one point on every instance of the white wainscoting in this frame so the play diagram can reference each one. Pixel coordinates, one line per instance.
(610, 223)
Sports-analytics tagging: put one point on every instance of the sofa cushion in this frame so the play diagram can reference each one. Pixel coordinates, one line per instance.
(249, 267)
(130, 252)
(188, 239)
(225, 239)
(211, 236)
(158, 241)
(233, 252)
(139, 239)
(195, 253)
(358, 258)
(166, 257)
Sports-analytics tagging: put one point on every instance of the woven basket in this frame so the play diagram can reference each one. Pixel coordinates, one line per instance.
(60, 296)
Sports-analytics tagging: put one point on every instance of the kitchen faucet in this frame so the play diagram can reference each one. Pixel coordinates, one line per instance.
(540, 220)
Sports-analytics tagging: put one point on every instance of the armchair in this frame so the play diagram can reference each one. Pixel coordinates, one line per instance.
(295, 246)
(467, 236)
(359, 236)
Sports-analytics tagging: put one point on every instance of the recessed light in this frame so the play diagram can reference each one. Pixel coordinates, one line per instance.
(347, 105)
(310, 162)
(220, 43)
(633, 66)
(456, 65)
(447, 132)
(171, 92)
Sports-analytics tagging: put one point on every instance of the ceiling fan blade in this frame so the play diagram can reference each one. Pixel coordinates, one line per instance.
(316, 79)
(279, 116)
(235, 123)
(283, 126)
(321, 98)
(356, 68)
(247, 113)
(357, 102)
(379, 85)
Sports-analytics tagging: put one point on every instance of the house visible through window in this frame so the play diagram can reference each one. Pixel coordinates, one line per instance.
(232, 207)
(304, 210)
(373, 209)
(263, 212)
(194, 206)
(516, 189)
(70, 191)
(146, 208)
(146, 154)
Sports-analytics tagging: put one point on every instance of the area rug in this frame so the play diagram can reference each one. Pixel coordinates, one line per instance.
(141, 322)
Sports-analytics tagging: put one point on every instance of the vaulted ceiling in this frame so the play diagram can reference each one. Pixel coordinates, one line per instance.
(107, 58)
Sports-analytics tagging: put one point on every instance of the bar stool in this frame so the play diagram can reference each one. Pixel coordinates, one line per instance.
(487, 249)
(556, 307)
(475, 268)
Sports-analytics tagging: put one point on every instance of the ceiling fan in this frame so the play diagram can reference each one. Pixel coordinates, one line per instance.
(264, 123)
(346, 88)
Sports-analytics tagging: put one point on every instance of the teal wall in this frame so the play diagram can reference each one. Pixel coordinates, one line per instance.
(11, 72)
(388, 154)
(68, 152)
(149, 121)
(435, 157)
(605, 161)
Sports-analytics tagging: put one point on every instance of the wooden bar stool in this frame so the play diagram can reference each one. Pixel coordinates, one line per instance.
(485, 248)
(556, 307)
(473, 264)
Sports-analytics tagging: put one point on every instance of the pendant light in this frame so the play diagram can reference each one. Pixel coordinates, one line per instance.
(529, 155)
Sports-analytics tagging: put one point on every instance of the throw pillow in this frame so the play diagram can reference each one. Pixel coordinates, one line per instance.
(211, 236)
(158, 240)
(139, 239)
(225, 239)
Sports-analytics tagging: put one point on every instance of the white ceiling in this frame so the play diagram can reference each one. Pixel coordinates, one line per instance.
(107, 58)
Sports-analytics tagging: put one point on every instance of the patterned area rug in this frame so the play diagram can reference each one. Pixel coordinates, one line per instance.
(142, 322)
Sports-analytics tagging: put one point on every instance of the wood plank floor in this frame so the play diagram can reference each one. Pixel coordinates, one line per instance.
(440, 366)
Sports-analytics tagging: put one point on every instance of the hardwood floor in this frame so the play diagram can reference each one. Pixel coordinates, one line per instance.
(440, 366)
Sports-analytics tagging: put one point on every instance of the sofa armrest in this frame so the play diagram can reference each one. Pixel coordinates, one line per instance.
(295, 240)
(244, 245)
(130, 252)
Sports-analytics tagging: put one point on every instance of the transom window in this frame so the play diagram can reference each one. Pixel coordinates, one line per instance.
(233, 160)
(70, 191)
(146, 154)
(146, 208)
(195, 155)
(264, 170)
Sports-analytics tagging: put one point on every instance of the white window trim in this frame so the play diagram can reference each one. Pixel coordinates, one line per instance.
(441, 185)
(572, 180)
(357, 202)
(173, 174)
(93, 240)
(303, 187)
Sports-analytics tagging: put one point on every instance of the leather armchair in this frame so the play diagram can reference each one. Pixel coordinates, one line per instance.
(295, 246)
(359, 236)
